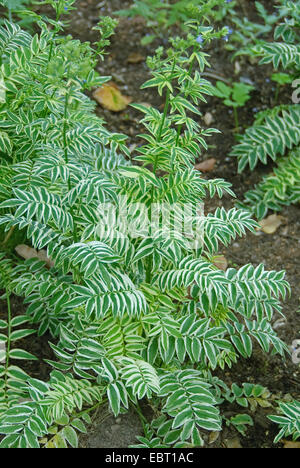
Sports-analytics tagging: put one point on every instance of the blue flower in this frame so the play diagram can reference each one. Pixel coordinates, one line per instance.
(66, 8)
(229, 31)
(199, 39)
(228, 1)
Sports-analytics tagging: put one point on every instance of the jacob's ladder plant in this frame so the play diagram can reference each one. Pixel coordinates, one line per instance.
(233, 96)
(275, 133)
(133, 301)
(161, 16)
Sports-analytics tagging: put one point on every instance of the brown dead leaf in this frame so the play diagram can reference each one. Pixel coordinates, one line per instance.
(213, 436)
(237, 68)
(146, 104)
(281, 322)
(290, 444)
(208, 118)
(135, 57)
(220, 262)
(207, 165)
(111, 98)
(42, 255)
(27, 252)
(270, 224)
(233, 443)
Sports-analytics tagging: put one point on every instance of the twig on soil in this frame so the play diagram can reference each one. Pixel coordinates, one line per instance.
(141, 416)
(244, 9)
(214, 75)
(294, 238)
(8, 235)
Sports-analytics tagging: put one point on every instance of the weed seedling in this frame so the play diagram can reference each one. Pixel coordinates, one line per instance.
(281, 79)
(235, 96)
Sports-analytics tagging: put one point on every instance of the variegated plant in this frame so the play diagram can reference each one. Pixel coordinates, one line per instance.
(275, 133)
(135, 306)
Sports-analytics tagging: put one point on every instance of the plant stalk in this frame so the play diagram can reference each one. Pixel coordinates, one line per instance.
(236, 118)
(7, 350)
(65, 145)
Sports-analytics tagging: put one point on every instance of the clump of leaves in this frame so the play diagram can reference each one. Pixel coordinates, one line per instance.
(288, 419)
(247, 31)
(275, 132)
(160, 16)
(281, 79)
(233, 96)
(14, 7)
(133, 301)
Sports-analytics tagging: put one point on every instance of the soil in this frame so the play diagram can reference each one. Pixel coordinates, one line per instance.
(277, 251)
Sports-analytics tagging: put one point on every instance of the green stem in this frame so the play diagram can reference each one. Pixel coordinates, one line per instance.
(141, 416)
(79, 415)
(189, 73)
(52, 45)
(149, 270)
(9, 318)
(159, 135)
(166, 108)
(65, 131)
(8, 235)
(53, 38)
(178, 134)
(276, 94)
(236, 118)
(163, 120)
(65, 145)
(51, 50)
(9, 326)
(92, 408)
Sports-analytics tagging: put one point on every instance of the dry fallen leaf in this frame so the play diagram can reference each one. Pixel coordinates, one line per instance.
(220, 262)
(233, 443)
(290, 444)
(28, 252)
(213, 436)
(135, 57)
(207, 165)
(237, 68)
(281, 322)
(208, 118)
(42, 255)
(146, 104)
(295, 349)
(270, 224)
(111, 98)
